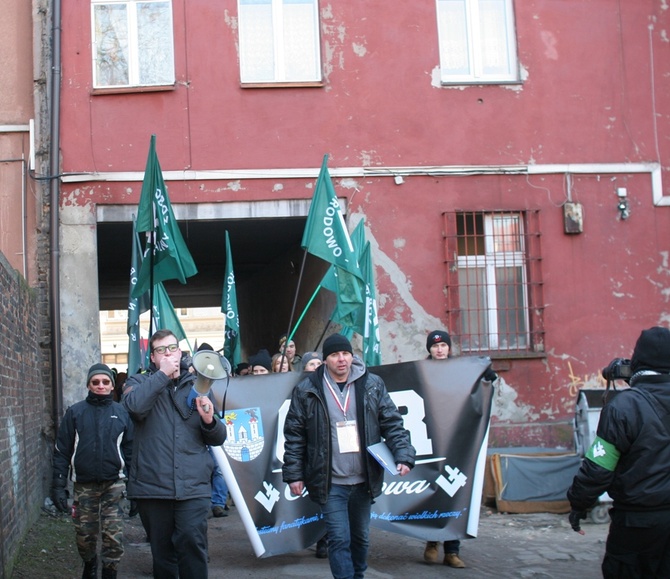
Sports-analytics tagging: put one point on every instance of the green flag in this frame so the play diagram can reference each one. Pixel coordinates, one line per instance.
(170, 258)
(372, 354)
(232, 349)
(348, 288)
(361, 318)
(326, 234)
(165, 318)
(136, 307)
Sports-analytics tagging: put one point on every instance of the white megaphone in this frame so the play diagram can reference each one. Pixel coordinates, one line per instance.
(208, 366)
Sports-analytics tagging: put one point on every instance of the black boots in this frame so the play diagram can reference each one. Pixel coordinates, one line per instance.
(90, 569)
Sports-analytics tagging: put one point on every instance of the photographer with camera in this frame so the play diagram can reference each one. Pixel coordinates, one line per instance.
(630, 459)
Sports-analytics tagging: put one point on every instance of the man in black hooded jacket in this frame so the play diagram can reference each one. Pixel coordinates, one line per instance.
(337, 412)
(630, 459)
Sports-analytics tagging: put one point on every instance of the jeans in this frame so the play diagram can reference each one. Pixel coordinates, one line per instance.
(219, 486)
(453, 546)
(347, 516)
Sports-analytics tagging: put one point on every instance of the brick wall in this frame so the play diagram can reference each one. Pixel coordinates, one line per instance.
(26, 425)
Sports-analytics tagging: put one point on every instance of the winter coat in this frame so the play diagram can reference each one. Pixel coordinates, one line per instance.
(637, 425)
(94, 441)
(307, 446)
(170, 456)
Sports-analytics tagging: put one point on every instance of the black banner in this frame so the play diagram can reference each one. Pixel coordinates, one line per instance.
(445, 407)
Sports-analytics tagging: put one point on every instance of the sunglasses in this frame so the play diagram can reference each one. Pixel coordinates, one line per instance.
(163, 349)
(104, 381)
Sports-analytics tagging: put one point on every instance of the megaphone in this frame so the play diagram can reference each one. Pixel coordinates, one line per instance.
(209, 366)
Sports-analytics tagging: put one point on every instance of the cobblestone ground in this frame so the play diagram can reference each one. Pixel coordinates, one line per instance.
(518, 546)
(531, 546)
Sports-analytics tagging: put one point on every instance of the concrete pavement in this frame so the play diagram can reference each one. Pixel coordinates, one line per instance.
(508, 546)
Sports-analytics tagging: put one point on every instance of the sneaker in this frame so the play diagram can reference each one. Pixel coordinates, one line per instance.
(430, 553)
(453, 560)
(219, 511)
(322, 548)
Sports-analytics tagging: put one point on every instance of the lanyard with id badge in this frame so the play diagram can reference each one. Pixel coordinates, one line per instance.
(347, 433)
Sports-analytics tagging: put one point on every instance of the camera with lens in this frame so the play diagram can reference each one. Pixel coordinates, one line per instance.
(617, 369)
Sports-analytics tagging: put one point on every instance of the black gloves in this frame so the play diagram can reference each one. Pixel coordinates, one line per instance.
(490, 375)
(59, 494)
(574, 517)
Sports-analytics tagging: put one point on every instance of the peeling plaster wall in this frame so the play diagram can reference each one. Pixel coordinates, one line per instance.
(381, 105)
(80, 319)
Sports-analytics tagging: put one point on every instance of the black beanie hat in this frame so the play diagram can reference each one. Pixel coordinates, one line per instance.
(206, 347)
(336, 343)
(436, 337)
(652, 351)
(99, 369)
(262, 358)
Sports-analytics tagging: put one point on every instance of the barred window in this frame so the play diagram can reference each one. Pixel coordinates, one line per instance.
(494, 285)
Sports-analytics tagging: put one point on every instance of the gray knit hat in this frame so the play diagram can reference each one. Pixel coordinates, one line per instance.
(99, 369)
(309, 356)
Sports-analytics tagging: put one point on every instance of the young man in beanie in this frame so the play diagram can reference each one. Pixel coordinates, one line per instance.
(630, 460)
(336, 412)
(94, 446)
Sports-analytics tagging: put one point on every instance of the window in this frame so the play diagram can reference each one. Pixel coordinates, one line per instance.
(477, 41)
(132, 43)
(493, 268)
(279, 41)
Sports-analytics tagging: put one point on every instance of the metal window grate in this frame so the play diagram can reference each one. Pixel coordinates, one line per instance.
(494, 285)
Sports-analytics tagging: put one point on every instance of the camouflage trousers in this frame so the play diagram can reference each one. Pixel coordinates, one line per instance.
(97, 510)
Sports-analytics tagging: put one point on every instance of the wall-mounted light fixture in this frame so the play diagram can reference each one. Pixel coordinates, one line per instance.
(398, 179)
(622, 206)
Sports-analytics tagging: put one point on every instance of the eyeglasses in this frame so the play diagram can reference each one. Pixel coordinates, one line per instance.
(163, 349)
(104, 381)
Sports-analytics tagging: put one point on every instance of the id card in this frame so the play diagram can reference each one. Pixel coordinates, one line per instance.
(347, 436)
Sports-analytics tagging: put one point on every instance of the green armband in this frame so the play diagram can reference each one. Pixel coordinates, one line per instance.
(603, 454)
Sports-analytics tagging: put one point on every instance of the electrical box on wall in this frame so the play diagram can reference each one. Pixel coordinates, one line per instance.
(573, 217)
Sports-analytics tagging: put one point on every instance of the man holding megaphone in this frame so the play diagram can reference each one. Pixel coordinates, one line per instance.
(171, 467)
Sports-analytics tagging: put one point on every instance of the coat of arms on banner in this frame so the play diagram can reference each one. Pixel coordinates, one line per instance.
(244, 427)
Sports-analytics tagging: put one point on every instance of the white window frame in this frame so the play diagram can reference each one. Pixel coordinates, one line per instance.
(476, 44)
(489, 262)
(133, 44)
(280, 74)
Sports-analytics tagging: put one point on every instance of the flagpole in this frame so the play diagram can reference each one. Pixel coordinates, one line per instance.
(295, 302)
(322, 335)
(151, 283)
(309, 303)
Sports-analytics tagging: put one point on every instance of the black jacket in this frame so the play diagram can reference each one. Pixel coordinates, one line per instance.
(637, 423)
(94, 440)
(307, 447)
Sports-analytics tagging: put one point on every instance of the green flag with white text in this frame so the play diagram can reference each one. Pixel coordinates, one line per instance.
(348, 288)
(136, 307)
(166, 253)
(326, 234)
(371, 338)
(232, 349)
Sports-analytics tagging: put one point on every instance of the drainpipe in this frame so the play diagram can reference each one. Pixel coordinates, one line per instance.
(54, 171)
